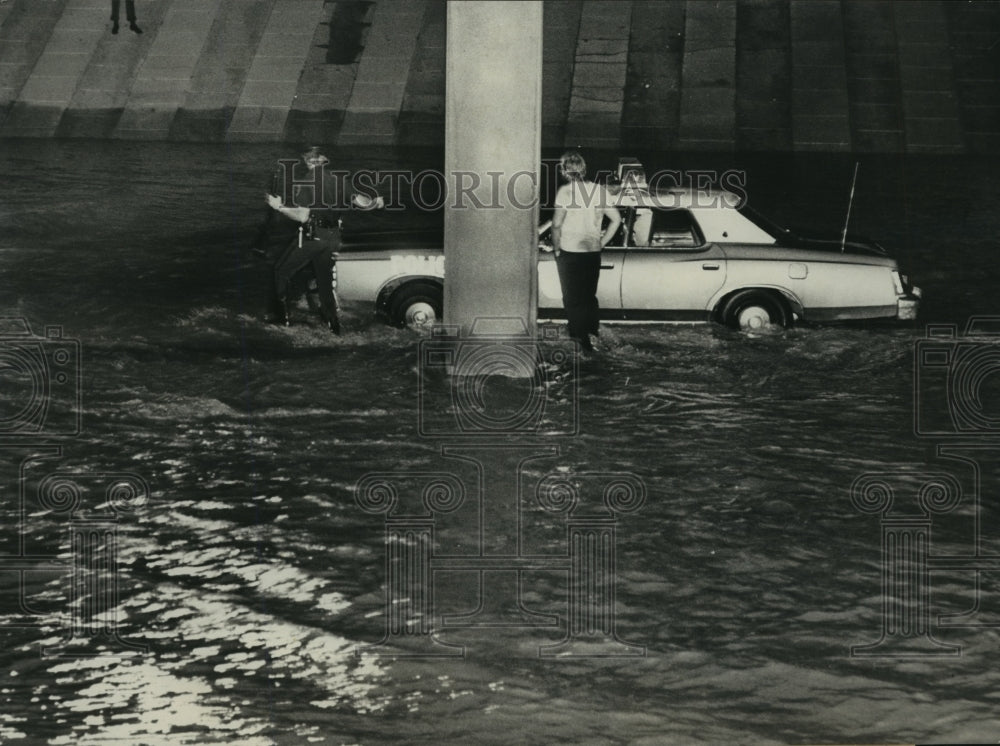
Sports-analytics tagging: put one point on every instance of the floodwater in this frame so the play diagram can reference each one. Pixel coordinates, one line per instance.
(258, 585)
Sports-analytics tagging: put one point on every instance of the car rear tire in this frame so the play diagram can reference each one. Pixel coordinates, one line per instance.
(750, 310)
(416, 305)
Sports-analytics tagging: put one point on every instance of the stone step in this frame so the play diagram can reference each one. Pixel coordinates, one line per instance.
(764, 76)
(872, 55)
(45, 75)
(561, 27)
(269, 87)
(103, 89)
(25, 29)
(323, 90)
(974, 29)
(708, 77)
(651, 109)
(778, 75)
(377, 95)
(926, 78)
(220, 74)
(163, 79)
(599, 73)
(421, 116)
(819, 77)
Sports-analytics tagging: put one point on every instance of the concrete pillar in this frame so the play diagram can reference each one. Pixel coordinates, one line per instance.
(492, 162)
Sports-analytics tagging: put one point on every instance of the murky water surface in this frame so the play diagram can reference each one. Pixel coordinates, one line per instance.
(253, 577)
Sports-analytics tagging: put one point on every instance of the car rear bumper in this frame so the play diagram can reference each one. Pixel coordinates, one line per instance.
(908, 305)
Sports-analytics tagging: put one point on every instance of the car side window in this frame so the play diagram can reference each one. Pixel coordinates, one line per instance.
(665, 229)
(618, 240)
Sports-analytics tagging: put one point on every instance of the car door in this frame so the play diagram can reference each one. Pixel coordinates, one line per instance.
(608, 286)
(672, 272)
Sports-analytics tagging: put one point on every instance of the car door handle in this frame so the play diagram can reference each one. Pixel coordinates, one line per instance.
(607, 266)
(710, 267)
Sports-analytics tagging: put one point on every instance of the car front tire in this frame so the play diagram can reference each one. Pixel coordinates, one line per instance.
(750, 310)
(417, 305)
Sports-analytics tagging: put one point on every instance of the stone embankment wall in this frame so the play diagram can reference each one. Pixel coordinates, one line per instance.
(764, 75)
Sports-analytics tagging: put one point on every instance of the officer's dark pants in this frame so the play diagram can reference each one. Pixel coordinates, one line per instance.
(315, 254)
(579, 273)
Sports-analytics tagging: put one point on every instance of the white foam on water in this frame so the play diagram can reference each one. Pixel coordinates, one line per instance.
(158, 702)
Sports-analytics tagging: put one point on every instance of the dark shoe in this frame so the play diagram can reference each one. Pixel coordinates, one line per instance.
(135, 28)
(114, 28)
(332, 321)
(281, 315)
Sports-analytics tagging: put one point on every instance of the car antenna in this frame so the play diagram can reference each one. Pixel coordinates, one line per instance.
(850, 201)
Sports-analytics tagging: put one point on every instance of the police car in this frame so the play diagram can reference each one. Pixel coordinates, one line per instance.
(681, 255)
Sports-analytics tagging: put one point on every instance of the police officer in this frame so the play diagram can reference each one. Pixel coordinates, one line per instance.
(295, 187)
(306, 249)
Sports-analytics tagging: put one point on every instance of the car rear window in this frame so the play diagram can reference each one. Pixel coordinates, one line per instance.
(726, 225)
(666, 229)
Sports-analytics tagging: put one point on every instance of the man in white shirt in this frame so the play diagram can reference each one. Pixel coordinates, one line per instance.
(578, 236)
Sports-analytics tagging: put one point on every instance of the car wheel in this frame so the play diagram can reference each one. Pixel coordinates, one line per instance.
(416, 305)
(754, 309)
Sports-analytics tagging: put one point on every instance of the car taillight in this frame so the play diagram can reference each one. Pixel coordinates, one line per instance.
(897, 282)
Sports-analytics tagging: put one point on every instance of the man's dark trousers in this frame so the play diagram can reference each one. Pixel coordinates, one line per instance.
(318, 255)
(579, 273)
(129, 10)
